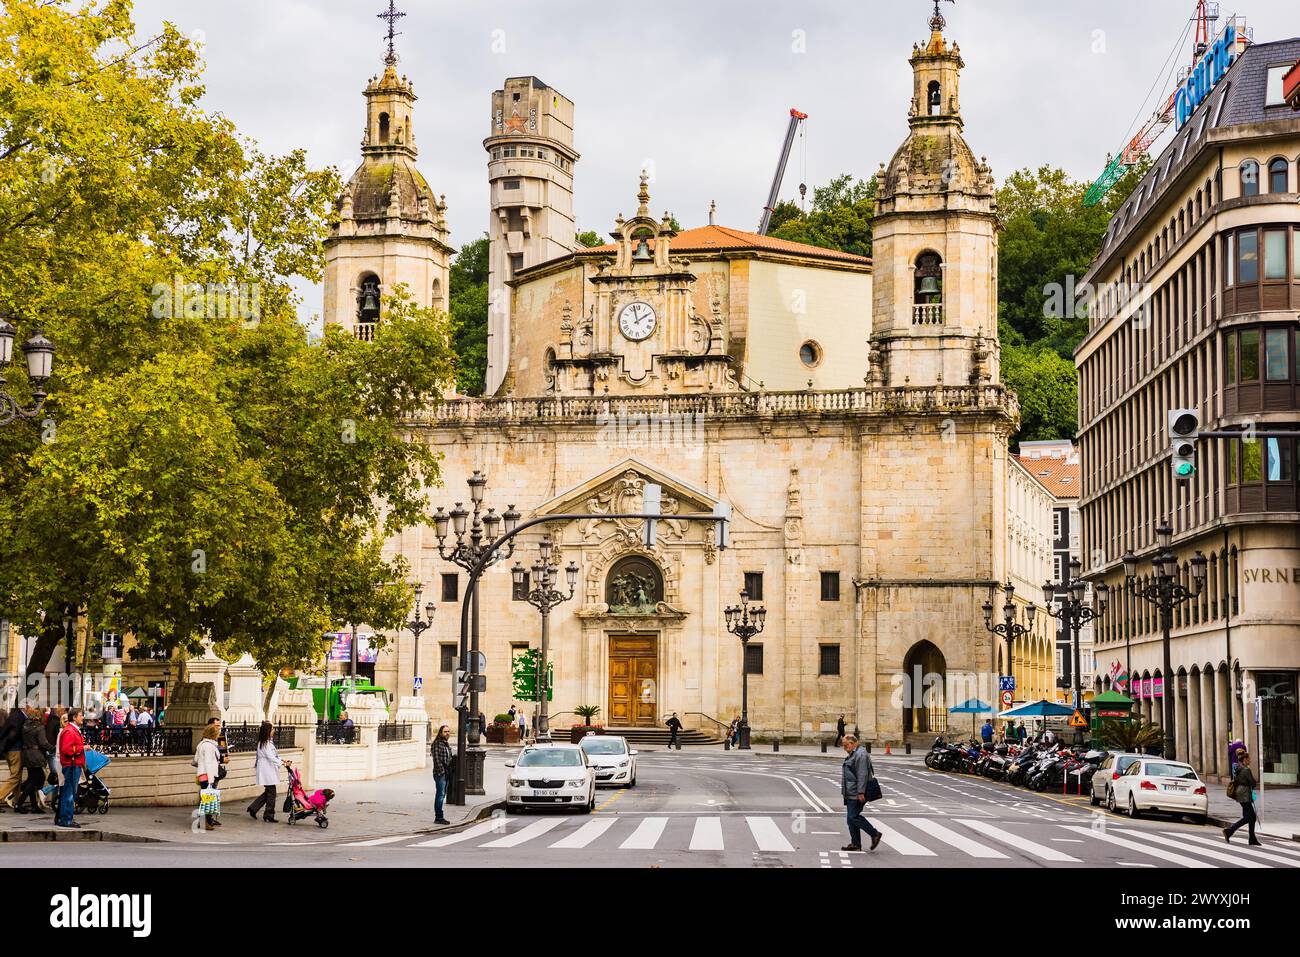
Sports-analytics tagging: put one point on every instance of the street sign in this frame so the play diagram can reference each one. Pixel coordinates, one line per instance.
(1077, 721)
(419, 683)
(1007, 683)
(1007, 699)
(1258, 711)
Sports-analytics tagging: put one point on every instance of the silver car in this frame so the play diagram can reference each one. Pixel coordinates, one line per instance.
(1115, 764)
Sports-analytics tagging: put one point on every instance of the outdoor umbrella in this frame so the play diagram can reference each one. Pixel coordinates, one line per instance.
(1042, 709)
(972, 707)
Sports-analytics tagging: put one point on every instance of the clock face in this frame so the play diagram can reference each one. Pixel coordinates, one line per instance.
(637, 321)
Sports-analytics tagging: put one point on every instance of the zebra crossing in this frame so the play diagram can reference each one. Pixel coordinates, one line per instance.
(909, 840)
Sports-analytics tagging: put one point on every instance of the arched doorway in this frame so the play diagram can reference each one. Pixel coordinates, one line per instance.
(924, 708)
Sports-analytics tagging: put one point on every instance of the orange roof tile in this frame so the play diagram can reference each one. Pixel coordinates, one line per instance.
(1060, 476)
(724, 238)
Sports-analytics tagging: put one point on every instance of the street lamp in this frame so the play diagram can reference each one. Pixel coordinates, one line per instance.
(1074, 613)
(39, 353)
(744, 623)
(1009, 628)
(544, 596)
(1166, 592)
(471, 553)
(417, 626)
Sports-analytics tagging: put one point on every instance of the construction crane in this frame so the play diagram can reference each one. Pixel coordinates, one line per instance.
(795, 119)
(1138, 147)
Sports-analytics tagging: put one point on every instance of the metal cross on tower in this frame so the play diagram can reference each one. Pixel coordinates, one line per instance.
(937, 22)
(392, 15)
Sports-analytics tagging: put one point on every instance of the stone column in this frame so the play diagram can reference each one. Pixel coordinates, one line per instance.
(1182, 748)
(1195, 725)
(245, 692)
(1222, 702)
(411, 710)
(1207, 723)
(207, 668)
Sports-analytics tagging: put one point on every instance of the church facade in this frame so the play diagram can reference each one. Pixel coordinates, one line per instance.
(847, 411)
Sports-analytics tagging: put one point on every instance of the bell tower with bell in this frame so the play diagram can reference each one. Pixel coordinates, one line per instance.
(934, 290)
(391, 228)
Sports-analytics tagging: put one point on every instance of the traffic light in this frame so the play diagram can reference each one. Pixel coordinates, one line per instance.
(1184, 427)
(651, 504)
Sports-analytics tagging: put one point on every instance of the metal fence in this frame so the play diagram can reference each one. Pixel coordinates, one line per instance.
(335, 732)
(394, 732)
(148, 742)
(243, 737)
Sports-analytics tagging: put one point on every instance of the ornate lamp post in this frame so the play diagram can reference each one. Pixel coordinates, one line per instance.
(1165, 592)
(39, 352)
(472, 553)
(1074, 613)
(1009, 628)
(744, 623)
(417, 626)
(544, 596)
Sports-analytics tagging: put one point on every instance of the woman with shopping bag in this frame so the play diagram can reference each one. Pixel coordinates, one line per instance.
(207, 762)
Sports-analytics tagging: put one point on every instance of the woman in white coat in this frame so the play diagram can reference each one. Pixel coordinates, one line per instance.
(268, 774)
(207, 761)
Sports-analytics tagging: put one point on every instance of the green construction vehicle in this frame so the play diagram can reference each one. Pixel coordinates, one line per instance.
(328, 702)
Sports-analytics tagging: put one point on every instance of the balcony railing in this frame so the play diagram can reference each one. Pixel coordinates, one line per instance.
(597, 410)
(365, 331)
(927, 314)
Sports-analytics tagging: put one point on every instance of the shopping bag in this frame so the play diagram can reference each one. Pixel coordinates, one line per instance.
(872, 790)
(210, 801)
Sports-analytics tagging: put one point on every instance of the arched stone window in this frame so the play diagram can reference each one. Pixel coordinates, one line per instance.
(1249, 178)
(934, 99)
(368, 299)
(1277, 175)
(383, 127)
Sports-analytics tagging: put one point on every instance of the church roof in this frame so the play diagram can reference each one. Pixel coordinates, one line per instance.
(373, 182)
(710, 239)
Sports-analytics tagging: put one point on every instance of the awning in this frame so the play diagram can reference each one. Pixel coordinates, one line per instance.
(1038, 709)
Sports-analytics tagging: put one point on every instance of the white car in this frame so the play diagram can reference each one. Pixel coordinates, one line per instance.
(613, 761)
(552, 775)
(1157, 784)
(1112, 766)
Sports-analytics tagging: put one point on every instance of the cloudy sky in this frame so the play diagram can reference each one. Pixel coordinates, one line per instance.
(699, 88)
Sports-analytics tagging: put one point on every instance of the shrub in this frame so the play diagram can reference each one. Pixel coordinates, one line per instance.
(1136, 736)
(586, 712)
(502, 719)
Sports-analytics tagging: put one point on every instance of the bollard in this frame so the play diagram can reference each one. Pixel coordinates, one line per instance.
(823, 745)
(726, 744)
(776, 745)
(907, 748)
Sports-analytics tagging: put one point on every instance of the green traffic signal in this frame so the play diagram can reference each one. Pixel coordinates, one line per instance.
(1184, 469)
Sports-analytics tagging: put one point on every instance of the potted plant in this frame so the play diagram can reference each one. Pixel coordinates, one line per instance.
(579, 731)
(502, 731)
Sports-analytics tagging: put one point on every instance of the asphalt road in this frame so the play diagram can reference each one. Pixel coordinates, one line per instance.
(713, 809)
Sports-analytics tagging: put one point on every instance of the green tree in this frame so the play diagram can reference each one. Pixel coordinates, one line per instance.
(205, 469)
(469, 315)
(838, 218)
(1046, 385)
(589, 238)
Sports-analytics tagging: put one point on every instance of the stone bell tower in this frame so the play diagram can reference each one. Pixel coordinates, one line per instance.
(391, 228)
(934, 308)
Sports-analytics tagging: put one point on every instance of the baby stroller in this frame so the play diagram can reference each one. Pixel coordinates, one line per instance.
(298, 804)
(92, 793)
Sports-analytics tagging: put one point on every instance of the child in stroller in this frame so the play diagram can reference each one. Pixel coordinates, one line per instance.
(92, 793)
(299, 804)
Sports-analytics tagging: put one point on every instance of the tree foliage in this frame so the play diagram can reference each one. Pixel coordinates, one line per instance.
(469, 315)
(838, 218)
(205, 469)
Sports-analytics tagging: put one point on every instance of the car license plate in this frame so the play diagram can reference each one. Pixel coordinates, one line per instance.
(545, 794)
(1175, 787)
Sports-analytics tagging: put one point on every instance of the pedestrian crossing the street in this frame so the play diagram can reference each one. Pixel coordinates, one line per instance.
(965, 840)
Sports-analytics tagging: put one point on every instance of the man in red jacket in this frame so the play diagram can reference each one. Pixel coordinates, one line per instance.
(72, 758)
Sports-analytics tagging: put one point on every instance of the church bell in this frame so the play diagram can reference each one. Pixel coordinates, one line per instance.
(642, 254)
(929, 286)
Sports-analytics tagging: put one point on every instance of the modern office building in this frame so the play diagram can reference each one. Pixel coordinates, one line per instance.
(1197, 295)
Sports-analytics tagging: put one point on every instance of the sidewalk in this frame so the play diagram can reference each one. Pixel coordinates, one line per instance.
(398, 805)
(1279, 811)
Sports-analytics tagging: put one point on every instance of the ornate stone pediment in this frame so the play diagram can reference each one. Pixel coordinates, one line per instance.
(621, 490)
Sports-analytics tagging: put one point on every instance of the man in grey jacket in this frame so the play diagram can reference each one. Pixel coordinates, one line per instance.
(857, 771)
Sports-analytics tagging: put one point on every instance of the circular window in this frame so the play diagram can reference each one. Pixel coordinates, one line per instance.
(810, 354)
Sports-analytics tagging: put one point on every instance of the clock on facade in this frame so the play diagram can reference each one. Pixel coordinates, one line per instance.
(637, 321)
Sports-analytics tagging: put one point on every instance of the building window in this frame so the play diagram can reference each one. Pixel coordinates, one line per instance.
(753, 659)
(1277, 175)
(810, 354)
(516, 262)
(1056, 525)
(1057, 568)
(828, 664)
(447, 658)
(510, 184)
(1276, 368)
(830, 586)
(754, 585)
(520, 591)
(450, 587)
(111, 644)
(1250, 178)
(509, 152)
(1248, 257)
